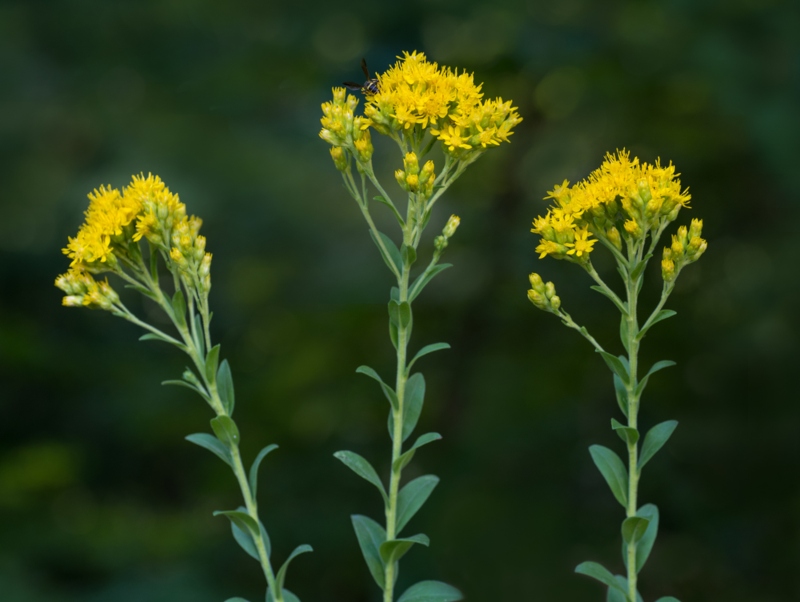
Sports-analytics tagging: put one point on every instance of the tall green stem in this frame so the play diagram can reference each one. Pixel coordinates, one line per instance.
(397, 435)
(632, 344)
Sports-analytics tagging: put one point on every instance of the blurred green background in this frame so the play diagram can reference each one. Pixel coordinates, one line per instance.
(101, 499)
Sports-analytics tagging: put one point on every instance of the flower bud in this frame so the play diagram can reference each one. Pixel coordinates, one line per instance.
(537, 299)
(400, 176)
(633, 228)
(427, 172)
(439, 243)
(613, 236)
(451, 226)
(411, 163)
(549, 290)
(364, 148)
(339, 158)
(412, 182)
(696, 228)
(536, 282)
(667, 270)
(555, 302)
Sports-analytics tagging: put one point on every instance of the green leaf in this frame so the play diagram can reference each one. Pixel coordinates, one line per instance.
(622, 395)
(602, 574)
(412, 497)
(610, 297)
(391, 206)
(391, 255)
(662, 315)
(394, 312)
(362, 468)
(404, 314)
(431, 591)
(423, 279)
(150, 336)
(287, 596)
(616, 365)
(179, 307)
(254, 468)
(212, 444)
(242, 520)
(613, 595)
(623, 331)
(633, 528)
(393, 550)
(236, 599)
(183, 383)
(226, 430)
(409, 254)
(387, 390)
(412, 404)
(655, 439)
(281, 576)
(656, 367)
(199, 341)
(394, 293)
(401, 462)
(225, 387)
(628, 434)
(645, 545)
(212, 362)
(668, 599)
(426, 350)
(245, 540)
(393, 334)
(637, 271)
(144, 291)
(370, 537)
(613, 471)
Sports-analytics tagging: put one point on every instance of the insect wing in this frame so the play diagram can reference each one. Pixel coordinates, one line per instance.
(352, 86)
(364, 68)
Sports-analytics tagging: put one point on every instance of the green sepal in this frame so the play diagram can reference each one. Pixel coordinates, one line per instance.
(655, 439)
(409, 254)
(212, 363)
(225, 387)
(412, 497)
(412, 403)
(617, 366)
(628, 434)
(370, 537)
(256, 464)
(387, 390)
(281, 576)
(392, 254)
(423, 279)
(645, 545)
(662, 315)
(401, 462)
(655, 368)
(621, 307)
(613, 471)
(431, 591)
(633, 528)
(360, 466)
(426, 350)
(179, 307)
(602, 574)
(393, 550)
(622, 395)
(212, 444)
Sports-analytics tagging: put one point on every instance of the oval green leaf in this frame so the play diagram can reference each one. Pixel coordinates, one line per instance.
(412, 497)
(431, 591)
(370, 537)
(613, 471)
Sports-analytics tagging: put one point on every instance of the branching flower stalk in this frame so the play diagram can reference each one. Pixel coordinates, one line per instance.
(419, 105)
(118, 225)
(626, 206)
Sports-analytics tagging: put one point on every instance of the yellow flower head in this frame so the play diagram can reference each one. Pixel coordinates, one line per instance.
(623, 194)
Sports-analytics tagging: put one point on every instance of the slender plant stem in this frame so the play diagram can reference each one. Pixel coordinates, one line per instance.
(632, 290)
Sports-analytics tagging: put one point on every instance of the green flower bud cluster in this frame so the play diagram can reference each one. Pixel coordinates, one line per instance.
(416, 180)
(687, 247)
(440, 242)
(542, 295)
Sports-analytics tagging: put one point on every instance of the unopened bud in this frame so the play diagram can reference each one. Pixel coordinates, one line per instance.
(555, 302)
(427, 172)
(613, 235)
(339, 158)
(549, 290)
(451, 226)
(633, 228)
(411, 163)
(412, 182)
(364, 148)
(696, 228)
(536, 282)
(400, 176)
(439, 243)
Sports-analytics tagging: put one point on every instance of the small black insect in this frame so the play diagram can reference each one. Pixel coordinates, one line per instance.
(368, 87)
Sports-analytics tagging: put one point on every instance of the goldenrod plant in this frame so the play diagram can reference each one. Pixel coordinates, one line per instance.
(419, 105)
(626, 206)
(144, 236)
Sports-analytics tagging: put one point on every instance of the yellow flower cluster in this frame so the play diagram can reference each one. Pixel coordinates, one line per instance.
(414, 179)
(687, 247)
(342, 128)
(415, 92)
(116, 222)
(623, 193)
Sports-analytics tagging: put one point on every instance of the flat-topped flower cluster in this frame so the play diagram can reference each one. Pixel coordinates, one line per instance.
(623, 198)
